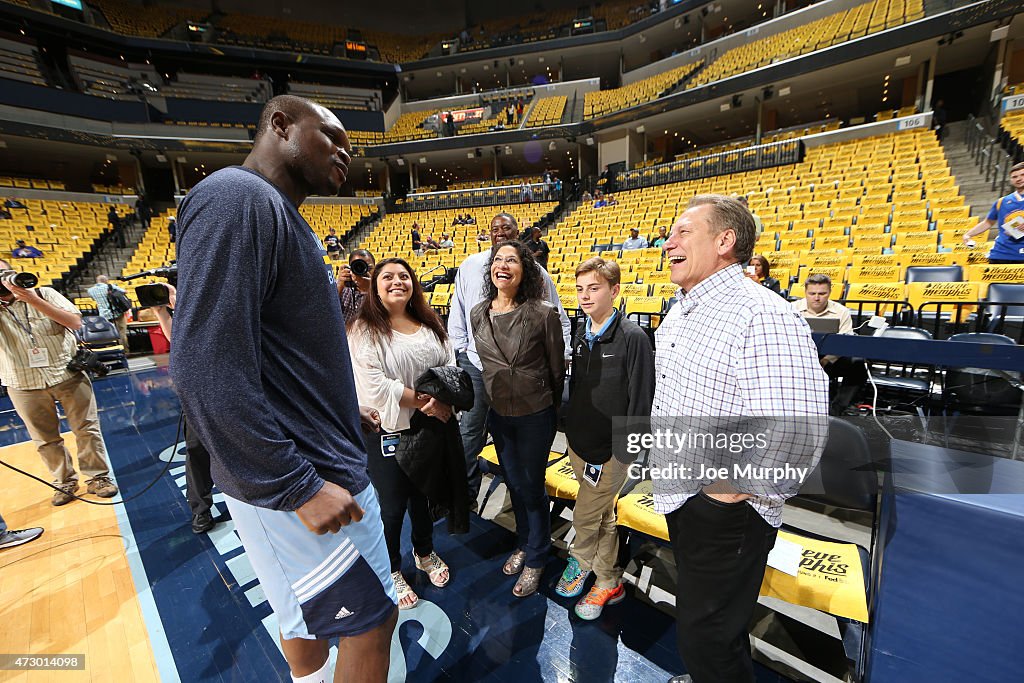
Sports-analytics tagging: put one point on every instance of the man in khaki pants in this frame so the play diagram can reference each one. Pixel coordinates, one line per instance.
(36, 344)
(612, 376)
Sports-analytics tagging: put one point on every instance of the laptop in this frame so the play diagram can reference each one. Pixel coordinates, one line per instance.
(824, 325)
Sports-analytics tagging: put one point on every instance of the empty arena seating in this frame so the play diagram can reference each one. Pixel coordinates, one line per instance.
(18, 62)
(156, 250)
(547, 111)
(148, 21)
(218, 88)
(552, 23)
(398, 49)
(363, 138)
(602, 102)
(64, 231)
(110, 189)
(816, 35)
(862, 211)
(279, 33)
(409, 126)
(28, 183)
(392, 237)
(113, 80)
(501, 182)
(336, 98)
(1012, 124)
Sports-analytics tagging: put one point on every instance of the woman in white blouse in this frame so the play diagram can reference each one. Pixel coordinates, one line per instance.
(395, 338)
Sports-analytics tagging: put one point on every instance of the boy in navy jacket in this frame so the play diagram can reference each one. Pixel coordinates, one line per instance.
(612, 376)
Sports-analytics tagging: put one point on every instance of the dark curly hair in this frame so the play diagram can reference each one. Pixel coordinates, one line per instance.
(532, 284)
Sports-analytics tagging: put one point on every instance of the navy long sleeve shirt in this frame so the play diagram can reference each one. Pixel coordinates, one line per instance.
(259, 354)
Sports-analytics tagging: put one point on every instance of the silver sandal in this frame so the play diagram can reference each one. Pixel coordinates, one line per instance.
(528, 582)
(435, 568)
(514, 563)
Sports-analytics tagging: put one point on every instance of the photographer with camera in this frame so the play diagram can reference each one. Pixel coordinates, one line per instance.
(39, 366)
(354, 282)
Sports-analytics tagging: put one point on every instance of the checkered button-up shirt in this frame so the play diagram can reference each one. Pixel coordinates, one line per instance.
(732, 348)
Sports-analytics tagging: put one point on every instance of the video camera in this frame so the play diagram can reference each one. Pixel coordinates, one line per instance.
(154, 294)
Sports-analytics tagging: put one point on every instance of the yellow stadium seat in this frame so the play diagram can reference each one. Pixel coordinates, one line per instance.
(996, 273)
(919, 293)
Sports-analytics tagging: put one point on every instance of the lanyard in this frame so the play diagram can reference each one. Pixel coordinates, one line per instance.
(26, 326)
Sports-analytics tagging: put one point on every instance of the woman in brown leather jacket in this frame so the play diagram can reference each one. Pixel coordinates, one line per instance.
(519, 339)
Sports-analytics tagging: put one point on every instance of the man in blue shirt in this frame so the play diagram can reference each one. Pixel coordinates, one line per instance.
(261, 363)
(635, 241)
(24, 251)
(1008, 214)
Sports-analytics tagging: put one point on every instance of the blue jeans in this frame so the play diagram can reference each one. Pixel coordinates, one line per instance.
(473, 425)
(523, 444)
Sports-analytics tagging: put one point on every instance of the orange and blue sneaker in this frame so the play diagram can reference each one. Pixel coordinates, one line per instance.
(570, 584)
(590, 606)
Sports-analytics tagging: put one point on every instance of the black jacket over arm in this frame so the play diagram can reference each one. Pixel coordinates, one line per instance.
(430, 451)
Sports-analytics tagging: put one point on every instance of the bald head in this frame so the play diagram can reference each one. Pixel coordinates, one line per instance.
(102, 279)
(300, 147)
(295, 108)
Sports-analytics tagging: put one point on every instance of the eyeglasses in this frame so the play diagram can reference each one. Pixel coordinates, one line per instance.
(507, 260)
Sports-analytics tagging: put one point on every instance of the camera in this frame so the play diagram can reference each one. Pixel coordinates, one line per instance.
(153, 295)
(87, 361)
(359, 268)
(23, 280)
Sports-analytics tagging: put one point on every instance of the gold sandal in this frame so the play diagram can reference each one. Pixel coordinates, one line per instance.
(514, 563)
(528, 582)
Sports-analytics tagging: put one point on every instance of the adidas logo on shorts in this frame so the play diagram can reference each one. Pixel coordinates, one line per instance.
(342, 613)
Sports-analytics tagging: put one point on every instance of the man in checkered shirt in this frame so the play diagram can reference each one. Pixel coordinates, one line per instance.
(729, 349)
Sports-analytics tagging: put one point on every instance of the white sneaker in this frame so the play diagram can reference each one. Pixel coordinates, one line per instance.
(15, 537)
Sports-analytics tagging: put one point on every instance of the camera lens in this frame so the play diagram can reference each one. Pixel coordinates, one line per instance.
(26, 280)
(360, 267)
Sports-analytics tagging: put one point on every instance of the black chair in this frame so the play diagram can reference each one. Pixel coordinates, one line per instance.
(934, 274)
(100, 335)
(1011, 310)
(905, 380)
(977, 390)
(846, 478)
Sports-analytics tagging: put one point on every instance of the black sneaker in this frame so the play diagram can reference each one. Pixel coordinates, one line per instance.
(202, 522)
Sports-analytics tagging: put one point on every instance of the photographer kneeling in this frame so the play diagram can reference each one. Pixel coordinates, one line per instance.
(36, 345)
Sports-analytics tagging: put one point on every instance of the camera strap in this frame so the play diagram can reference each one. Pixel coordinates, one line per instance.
(25, 326)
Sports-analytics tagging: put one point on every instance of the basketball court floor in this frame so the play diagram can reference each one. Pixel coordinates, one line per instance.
(131, 589)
